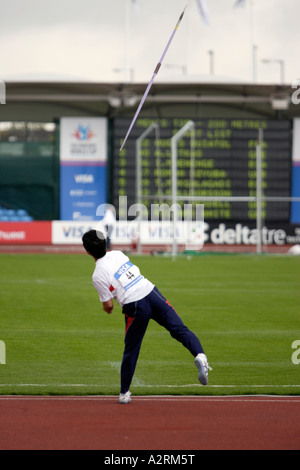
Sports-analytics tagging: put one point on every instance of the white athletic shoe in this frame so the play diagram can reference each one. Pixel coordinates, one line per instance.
(124, 397)
(202, 365)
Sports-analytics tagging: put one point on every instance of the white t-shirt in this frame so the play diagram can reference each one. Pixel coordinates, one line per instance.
(115, 276)
(109, 218)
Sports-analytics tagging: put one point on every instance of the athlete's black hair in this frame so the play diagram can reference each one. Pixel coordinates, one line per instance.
(95, 243)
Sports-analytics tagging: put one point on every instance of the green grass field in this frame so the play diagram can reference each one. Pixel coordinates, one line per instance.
(244, 308)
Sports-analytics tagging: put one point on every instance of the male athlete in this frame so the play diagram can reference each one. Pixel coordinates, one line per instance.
(116, 277)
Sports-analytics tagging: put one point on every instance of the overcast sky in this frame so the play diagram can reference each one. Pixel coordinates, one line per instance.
(85, 40)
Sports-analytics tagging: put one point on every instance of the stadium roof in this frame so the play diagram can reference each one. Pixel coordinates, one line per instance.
(48, 100)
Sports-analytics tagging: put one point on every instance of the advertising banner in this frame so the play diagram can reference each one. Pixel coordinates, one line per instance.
(151, 233)
(83, 158)
(157, 233)
(25, 233)
(70, 233)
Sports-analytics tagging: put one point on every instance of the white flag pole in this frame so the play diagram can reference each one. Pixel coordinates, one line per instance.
(252, 41)
(253, 46)
(203, 10)
(126, 39)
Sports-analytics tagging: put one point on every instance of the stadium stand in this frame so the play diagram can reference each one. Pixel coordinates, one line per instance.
(14, 215)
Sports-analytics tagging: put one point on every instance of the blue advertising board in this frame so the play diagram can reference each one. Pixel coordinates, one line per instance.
(295, 206)
(83, 160)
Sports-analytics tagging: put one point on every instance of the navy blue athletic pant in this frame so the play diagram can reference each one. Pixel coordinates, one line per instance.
(137, 316)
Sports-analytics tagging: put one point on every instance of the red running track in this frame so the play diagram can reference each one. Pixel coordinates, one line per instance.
(150, 423)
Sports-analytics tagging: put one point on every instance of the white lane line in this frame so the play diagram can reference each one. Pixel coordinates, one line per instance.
(140, 384)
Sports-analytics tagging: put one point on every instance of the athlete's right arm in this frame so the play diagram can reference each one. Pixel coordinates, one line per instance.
(101, 283)
(108, 306)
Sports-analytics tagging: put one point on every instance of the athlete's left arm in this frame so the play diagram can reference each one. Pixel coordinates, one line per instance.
(108, 306)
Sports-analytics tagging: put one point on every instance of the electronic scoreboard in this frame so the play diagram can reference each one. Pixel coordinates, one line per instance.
(219, 159)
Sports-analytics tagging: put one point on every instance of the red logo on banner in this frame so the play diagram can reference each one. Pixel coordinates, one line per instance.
(18, 233)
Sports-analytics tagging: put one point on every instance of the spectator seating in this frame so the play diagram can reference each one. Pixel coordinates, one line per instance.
(14, 215)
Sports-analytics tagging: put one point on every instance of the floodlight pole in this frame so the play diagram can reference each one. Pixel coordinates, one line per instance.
(259, 191)
(138, 178)
(174, 141)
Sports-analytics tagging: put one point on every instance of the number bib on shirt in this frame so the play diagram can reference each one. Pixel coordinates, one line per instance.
(128, 275)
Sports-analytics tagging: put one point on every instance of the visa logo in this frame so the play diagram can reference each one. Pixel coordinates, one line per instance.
(72, 231)
(123, 269)
(84, 178)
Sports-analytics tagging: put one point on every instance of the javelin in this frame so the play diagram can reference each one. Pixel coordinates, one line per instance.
(152, 79)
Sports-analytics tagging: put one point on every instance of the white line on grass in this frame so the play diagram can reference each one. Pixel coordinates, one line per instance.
(48, 281)
(135, 381)
(153, 386)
